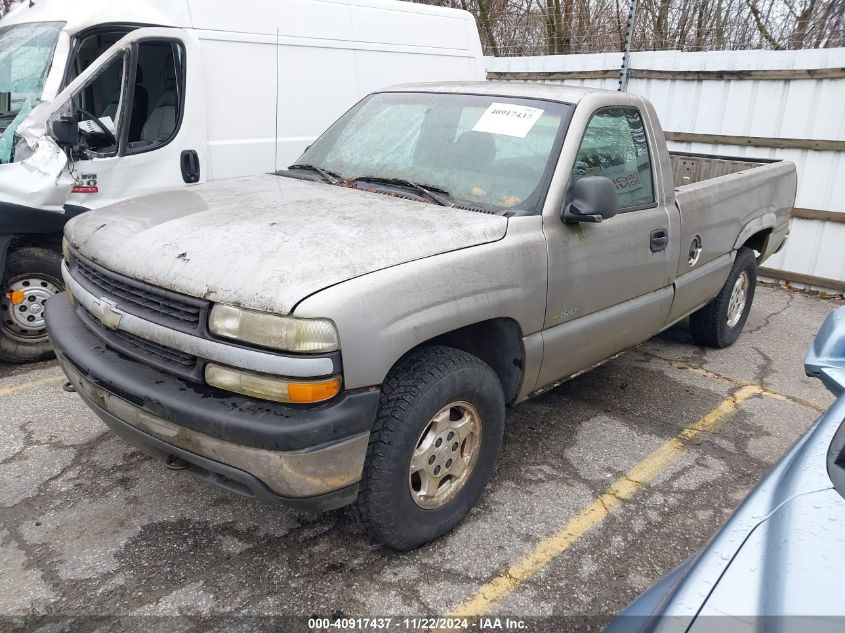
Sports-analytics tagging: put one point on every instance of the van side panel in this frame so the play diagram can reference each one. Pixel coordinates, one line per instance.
(325, 19)
(239, 71)
(388, 43)
(316, 85)
(403, 23)
(330, 54)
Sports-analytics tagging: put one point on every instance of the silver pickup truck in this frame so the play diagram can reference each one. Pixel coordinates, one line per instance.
(351, 330)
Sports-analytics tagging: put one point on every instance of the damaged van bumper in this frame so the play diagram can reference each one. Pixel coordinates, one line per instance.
(306, 456)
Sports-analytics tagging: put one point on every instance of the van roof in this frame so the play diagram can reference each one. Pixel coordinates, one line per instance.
(81, 14)
(535, 90)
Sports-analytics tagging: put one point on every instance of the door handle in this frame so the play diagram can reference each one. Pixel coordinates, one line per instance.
(190, 163)
(659, 240)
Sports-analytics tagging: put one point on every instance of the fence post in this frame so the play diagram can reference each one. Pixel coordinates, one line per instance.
(626, 54)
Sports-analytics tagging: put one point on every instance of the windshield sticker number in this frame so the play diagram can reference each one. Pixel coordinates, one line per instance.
(508, 119)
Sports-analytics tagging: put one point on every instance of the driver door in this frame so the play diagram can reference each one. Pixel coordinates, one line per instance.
(131, 106)
(610, 284)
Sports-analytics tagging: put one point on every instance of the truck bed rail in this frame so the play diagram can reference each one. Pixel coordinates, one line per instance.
(688, 168)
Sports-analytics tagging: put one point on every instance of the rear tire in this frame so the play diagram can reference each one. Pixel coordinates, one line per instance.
(35, 272)
(433, 446)
(720, 322)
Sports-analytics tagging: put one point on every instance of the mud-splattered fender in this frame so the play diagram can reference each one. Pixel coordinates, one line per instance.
(382, 315)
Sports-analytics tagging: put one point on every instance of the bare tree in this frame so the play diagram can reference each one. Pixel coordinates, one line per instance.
(554, 27)
(6, 6)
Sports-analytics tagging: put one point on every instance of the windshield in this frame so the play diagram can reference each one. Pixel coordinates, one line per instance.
(26, 52)
(489, 151)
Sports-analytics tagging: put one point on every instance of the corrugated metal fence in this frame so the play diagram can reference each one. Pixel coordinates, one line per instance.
(755, 104)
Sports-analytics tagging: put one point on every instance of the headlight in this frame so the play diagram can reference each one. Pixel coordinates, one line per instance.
(269, 330)
(271, 387)
(65, 249)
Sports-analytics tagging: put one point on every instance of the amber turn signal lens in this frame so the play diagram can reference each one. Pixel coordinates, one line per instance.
(314, 391)
(16, 297)
(269, 387)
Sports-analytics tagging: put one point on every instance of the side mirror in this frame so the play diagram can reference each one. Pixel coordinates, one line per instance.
(64, 130)
(826, 357)
(593, 199)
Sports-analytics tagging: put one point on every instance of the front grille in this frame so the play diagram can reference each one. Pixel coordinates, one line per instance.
(165, 358)
(165, 354)
(155, 304)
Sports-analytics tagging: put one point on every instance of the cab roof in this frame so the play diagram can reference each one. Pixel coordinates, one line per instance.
(518, 89)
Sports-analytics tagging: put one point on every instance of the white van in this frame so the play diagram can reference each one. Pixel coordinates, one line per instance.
(103, 100)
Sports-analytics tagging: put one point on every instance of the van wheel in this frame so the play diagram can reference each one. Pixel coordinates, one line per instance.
(719, 323)
(433, 446)
(32, 276)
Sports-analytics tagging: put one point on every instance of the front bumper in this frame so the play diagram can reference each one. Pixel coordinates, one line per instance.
(306, 455)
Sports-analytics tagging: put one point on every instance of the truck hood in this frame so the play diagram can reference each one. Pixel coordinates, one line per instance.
(267, 242)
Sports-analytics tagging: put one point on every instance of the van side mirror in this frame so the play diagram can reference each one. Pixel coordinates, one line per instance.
(64, 129)
(593, 199)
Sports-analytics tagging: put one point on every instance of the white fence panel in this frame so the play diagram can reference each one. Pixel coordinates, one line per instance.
(768, 110)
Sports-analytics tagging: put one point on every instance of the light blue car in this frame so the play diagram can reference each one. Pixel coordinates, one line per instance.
(778, 564)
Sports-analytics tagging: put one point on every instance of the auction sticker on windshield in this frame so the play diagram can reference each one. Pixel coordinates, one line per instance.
(508, 119)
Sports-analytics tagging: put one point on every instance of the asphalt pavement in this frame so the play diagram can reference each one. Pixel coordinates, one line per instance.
(604, 484)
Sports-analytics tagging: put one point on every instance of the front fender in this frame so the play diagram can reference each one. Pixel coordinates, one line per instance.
(383, 315)
(39, 181)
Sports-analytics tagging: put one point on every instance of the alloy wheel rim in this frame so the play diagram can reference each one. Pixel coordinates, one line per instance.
(24, 320)
(445, 455)
(739, 295)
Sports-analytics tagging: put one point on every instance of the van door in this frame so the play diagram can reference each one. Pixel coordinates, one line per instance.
(610, 284)
(135, 137)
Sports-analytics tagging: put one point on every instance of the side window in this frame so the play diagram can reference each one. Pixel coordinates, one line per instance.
(140, 117)
(157, 95)
(90, 48)
(97, 106)
(614, 146)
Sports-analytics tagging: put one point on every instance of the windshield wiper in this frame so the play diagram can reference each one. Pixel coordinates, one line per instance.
(329, 176)
(436, 194)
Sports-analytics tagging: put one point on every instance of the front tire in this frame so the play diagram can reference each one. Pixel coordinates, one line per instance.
(719, 323)
(32, 276)
(433, 446)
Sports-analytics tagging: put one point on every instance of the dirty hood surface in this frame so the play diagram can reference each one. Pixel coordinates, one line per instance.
(267, 242)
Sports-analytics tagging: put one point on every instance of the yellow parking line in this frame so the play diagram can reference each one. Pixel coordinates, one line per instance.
(493, 592)
(776, 395)
(6, 391)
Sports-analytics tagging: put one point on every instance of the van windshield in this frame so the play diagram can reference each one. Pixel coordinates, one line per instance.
(488, 151)
(26, 52)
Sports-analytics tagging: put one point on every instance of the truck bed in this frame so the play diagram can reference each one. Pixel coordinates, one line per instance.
(725, 197)
(724, 202)
(689, 168)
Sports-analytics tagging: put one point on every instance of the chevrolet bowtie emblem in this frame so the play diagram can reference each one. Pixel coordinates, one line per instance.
(106, 313)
